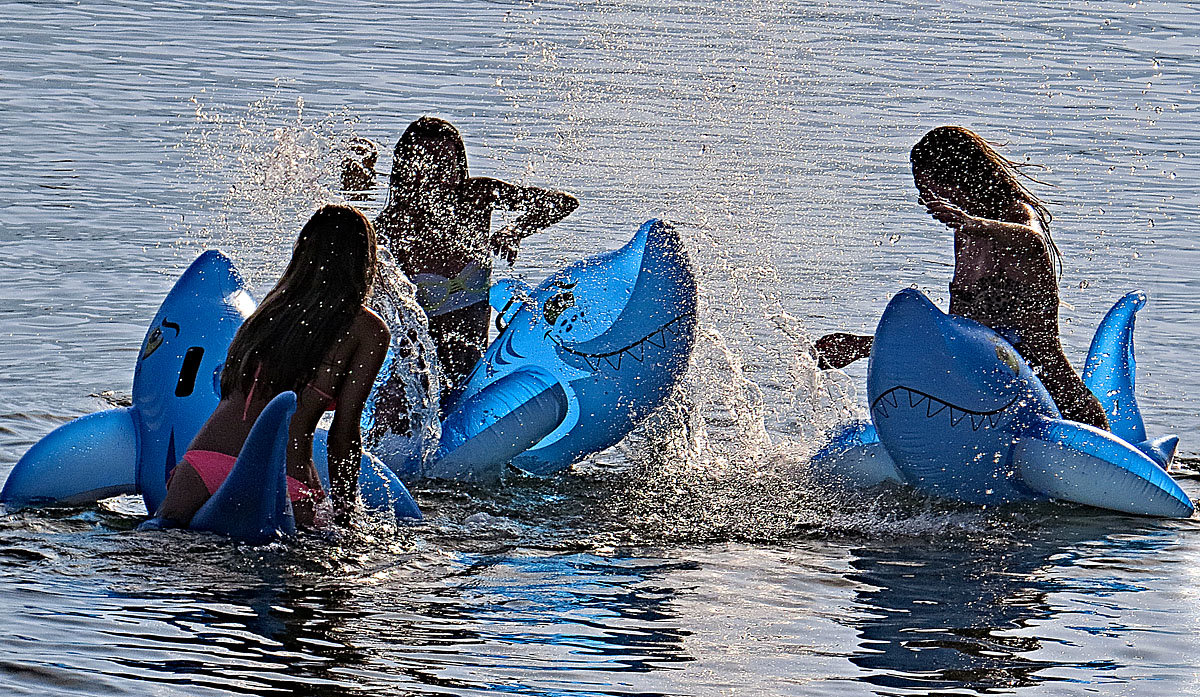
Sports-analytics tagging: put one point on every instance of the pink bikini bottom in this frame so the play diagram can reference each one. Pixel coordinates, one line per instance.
(214, 467)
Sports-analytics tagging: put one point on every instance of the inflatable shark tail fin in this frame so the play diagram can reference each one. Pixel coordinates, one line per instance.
(91, 458)
(1110, 367)
(378, 486)
(252, 505)
(501, 421)
(1074, 462)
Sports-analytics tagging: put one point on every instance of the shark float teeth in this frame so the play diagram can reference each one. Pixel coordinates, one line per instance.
(636, 351)
(657, 339)
(894, 398)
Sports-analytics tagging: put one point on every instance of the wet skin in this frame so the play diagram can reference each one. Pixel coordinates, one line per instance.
(346, 374)
(447, 226)
(1004, 278)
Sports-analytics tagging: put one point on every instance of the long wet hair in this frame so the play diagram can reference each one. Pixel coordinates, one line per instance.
(989, 182)
(406, 176)
(328, 279)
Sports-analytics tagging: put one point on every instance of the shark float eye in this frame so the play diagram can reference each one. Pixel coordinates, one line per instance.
(152, 343)
(1009, 358)
(557, 304)
(155, 339)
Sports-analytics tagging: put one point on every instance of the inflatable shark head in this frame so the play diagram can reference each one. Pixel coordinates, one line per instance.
(177, 378)
(603, 342)
(958, 413)
(605, 313)
(175, 388)
(946, 380)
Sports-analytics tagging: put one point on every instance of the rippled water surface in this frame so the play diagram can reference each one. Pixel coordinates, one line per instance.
(696, 558)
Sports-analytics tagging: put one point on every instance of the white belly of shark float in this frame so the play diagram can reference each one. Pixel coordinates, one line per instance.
(582, 359)
(956, 412)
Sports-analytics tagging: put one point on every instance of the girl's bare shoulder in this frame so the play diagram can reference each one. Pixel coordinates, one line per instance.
(1026, 215)
(369, 326)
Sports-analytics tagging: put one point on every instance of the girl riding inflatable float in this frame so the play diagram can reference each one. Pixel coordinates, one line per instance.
(178, 384)
(582, 359)
(956, 412)
(956, 407)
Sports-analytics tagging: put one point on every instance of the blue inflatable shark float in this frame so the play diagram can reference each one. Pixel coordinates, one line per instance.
(252, 504)
(956, 412)
(176, 386)
(581, 360)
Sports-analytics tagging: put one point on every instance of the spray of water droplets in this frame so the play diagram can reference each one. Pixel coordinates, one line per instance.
(261, 171)
(402, 413)
(642, 109)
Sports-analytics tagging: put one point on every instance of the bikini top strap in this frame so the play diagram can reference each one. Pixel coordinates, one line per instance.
(321, 392)
(250, 395)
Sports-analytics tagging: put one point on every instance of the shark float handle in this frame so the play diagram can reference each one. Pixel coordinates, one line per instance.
(176, 386)
(580, 361)
(956, 412)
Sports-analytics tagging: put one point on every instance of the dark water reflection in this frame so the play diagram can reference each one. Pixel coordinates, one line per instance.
(943, 617)
(325, 617)
(959, 602)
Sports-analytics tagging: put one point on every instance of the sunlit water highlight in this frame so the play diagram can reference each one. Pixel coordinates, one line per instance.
(696, 557)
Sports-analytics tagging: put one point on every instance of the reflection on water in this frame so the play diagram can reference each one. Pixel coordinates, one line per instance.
(330, 617)
(941, 620)
(950, 601)
(941, 616)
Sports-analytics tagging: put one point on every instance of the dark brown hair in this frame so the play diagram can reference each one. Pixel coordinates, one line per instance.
(989, 182)
(326, 282)
(406, 172)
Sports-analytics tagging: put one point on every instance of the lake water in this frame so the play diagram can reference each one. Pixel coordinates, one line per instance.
(696, 558)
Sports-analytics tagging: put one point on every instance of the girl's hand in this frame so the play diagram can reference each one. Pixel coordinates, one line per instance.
(949, 214)
(505, 243)
(839, 349)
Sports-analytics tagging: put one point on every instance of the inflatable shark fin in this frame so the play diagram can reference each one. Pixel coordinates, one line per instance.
(379, 488)
(1110, 367)
(252, 504)
(382, 490)
(88, 459)
(1161, 450)
(1074, 462)
(493, 426)
(855, 456)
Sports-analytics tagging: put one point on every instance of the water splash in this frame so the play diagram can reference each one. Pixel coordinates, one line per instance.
(642, 110)
(261, 170)
(403, 411)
